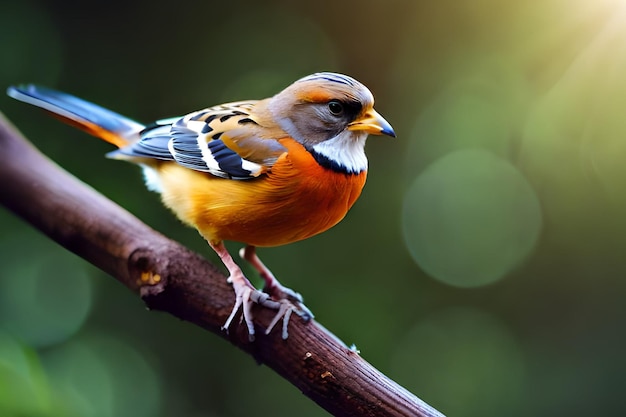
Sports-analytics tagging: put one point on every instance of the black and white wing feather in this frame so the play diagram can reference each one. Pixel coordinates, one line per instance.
(210, 140)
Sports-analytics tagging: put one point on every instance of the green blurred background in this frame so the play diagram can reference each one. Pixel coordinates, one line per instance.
(483, 268)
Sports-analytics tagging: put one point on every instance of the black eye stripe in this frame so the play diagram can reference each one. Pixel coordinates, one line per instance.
(354, 105)
(351, 108)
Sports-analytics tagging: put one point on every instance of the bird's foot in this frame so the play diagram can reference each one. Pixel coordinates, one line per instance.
(284, 301)
(278, 292)
(290, 302)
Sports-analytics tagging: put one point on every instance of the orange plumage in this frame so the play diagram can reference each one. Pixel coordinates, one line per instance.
(268, 211)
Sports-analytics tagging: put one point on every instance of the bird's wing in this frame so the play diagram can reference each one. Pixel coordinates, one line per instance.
(225, 141)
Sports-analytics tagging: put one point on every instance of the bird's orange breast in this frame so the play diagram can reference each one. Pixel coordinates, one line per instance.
(297, 199)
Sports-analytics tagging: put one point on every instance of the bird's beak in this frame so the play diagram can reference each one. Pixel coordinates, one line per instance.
(372, 123)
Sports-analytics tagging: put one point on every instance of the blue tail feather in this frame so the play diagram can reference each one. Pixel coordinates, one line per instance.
(75, 109)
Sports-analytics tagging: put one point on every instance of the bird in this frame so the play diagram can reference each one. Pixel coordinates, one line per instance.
(263, 173)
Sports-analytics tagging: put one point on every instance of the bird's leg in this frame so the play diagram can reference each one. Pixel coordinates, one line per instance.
(274, 288)
(245, 292)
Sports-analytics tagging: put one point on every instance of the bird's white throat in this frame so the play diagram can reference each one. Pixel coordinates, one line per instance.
(347, 150)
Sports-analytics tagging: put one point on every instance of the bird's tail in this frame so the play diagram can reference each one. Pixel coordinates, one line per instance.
(93, 119)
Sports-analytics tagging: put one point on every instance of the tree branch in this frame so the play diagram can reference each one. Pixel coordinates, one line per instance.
(171, 278)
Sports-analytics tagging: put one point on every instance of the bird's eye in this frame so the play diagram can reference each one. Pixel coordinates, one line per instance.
(335, 107)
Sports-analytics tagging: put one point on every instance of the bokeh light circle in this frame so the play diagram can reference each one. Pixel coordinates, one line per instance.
(469, 113)
(101, 376)
(470, 218)
(20, 392)
(466, 362)
(45, 293)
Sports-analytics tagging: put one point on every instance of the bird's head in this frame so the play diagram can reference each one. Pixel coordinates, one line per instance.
(331, 115)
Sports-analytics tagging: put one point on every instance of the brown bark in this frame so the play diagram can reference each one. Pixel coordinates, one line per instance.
(171, 278)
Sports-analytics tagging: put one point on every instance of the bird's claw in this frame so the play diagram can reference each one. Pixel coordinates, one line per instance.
(285, 301)
(278, 292)
(287, 307)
